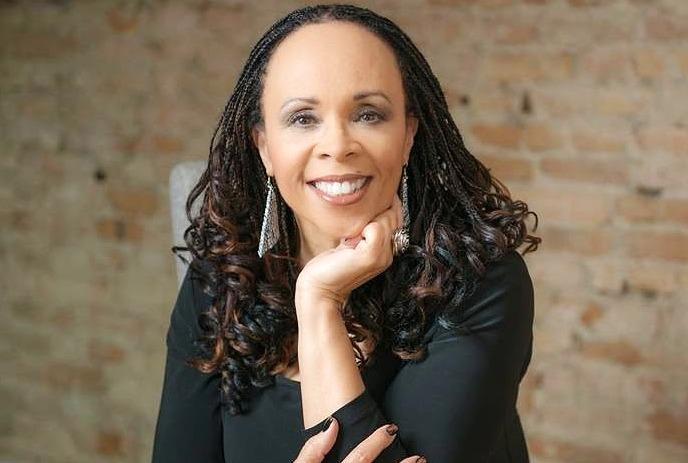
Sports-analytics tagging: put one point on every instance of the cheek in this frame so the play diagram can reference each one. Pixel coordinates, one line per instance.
(288, 169)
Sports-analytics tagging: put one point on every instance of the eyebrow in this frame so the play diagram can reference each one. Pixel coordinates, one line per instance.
(357, 96)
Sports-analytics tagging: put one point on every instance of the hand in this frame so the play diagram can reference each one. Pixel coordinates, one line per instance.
(315, 448)
(333, 274)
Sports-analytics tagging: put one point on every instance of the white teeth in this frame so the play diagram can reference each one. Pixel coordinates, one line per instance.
(340, 188)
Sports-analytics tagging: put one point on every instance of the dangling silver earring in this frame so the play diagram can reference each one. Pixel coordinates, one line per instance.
(400, 236)
(404, 199)
(269, 232)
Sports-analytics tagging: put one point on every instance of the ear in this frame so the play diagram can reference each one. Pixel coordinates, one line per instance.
(259, 139)
(411, 128)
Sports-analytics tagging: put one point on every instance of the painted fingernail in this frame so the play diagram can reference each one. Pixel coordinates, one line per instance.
(327, 423)
(421, 460)
(392, 429)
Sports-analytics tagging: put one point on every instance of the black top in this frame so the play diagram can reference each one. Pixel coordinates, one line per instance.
(456, 405)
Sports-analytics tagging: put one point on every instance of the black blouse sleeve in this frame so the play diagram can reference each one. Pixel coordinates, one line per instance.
(189, 426)
(450, 407)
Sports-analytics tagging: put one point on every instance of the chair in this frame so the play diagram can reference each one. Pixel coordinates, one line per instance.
(183, 177)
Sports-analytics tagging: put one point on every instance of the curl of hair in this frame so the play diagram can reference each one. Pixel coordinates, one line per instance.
(461, 219)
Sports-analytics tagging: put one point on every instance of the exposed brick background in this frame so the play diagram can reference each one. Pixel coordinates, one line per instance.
(579, 106)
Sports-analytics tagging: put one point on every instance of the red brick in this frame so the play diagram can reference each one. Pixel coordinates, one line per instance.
(607, 276)
(502, 135)
(35, 44)
(652, 278)
(511, 33)
(582, 3)
(508, 168)
(168, 144)
(669, 427)
(592, 242)
(584, 170)
(509, 67)
(598, 141)
(556, 104)
(672, 246)
(66, 376)
(119, 230)
(133, 201)
(110, 443)
(540, 137)
(100, 351)
(666, 28)
(666, 138)
(569, 207)
(480, 3)
(638, 208)
(571, 452)
(620, 103)
(119, 21)
(606, 65)
(620, 351)
(648, 64)
(682, 61)
(591, 314)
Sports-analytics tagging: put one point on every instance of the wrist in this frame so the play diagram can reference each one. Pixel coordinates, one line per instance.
(309, 294)
(311, 303)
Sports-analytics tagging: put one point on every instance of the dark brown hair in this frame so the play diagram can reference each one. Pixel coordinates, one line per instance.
(461, 219)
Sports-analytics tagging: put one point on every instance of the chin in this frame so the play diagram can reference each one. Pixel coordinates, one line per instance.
(351, 227)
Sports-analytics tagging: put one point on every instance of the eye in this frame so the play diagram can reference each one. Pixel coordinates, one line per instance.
(376, 117)
(299, 117)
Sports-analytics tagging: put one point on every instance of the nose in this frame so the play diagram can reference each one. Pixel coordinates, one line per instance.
(336, 141)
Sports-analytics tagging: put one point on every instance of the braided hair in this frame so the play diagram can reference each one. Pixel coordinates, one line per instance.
(461, 219)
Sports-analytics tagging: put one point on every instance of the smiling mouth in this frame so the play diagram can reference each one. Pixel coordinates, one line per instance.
(340, 187)
(341, 194)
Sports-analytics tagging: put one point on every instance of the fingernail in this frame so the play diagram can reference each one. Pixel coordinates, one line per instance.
(421, 460)
(392, 429)
(327, 423)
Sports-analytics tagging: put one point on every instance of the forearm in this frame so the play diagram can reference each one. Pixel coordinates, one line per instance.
(327, 365)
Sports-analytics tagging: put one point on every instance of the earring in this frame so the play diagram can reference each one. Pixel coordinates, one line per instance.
(269, 232)
(404, 199)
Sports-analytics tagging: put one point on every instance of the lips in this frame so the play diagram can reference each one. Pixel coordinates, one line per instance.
(342, 200)
(338, 178)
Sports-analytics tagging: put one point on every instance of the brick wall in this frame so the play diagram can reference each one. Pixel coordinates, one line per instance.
(580, 106)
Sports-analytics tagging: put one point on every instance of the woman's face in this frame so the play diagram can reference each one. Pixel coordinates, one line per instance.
(333, 104)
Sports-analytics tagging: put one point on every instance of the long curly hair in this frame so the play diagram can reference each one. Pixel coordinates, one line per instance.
(462, 218)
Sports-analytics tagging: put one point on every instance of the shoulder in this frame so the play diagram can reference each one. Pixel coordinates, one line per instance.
(507, 275)
(503, 297)
(191, 301)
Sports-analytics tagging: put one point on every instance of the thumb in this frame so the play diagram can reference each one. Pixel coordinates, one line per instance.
(315, 448)
(328, 436)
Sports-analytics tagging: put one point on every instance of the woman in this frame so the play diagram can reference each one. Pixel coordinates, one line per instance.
(345, 225)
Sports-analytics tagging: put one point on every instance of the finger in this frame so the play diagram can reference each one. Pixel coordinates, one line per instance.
(371, 447)
(376, 238)
(391, 217)
(315, 448)
(413, 459)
